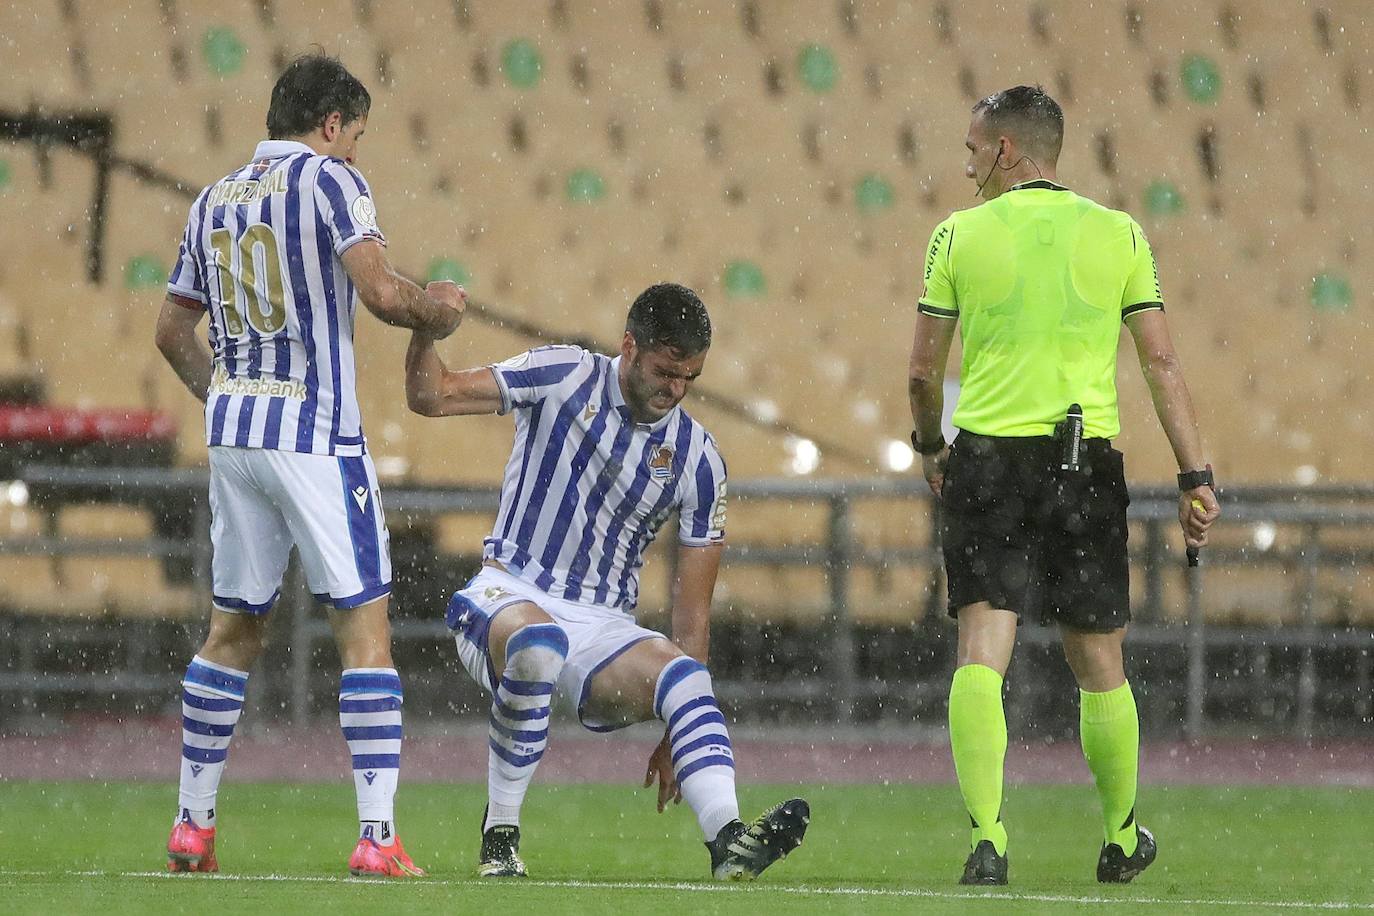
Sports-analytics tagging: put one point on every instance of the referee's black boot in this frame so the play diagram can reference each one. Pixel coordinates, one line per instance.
(985, 866)
(1115, 867)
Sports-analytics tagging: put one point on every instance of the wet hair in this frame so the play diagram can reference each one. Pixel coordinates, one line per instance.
(309, 89)
(1030, 116)
(670, 315)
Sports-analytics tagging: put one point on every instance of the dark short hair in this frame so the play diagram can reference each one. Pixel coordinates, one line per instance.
(1028, 114)
(309, 89)
(670, 315)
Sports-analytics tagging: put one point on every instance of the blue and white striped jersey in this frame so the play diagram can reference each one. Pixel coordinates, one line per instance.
(262, 252)
(586, 488)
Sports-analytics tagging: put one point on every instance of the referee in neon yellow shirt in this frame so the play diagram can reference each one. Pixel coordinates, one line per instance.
(1038, 281)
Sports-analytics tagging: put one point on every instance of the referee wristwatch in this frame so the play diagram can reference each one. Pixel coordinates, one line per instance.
(1191, 480)
(925, 451)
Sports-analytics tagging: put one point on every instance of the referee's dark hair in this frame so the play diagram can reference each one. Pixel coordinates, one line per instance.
(309, 89)
(1028, 114)
(670, 315)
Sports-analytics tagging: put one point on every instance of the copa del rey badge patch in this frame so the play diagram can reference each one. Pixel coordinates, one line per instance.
(364, 212)
(661, 463)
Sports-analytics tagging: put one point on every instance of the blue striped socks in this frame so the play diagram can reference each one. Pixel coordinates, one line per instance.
(520, 717)
(703, 761)
(211, 701)
(370, 716)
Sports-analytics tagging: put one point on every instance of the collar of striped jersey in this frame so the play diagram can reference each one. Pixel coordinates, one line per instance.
(618, 400)
(1042, 184)
(272, 149)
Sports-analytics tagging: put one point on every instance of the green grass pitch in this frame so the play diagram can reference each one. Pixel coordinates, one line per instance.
(97, 848)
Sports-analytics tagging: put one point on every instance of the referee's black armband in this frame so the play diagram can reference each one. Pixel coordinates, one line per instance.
(936, 311)
(1130, 310)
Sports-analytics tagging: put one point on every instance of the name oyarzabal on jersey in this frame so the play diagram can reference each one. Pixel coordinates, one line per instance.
(262, 252)
(586, 488)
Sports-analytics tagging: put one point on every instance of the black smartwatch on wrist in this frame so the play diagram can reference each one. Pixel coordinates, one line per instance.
(1191, 480)
(925, 451)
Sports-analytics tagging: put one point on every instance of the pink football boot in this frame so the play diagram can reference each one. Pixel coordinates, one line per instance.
(372, 858)
(191, 848)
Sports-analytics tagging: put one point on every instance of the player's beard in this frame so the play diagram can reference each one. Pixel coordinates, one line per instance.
(641, 396)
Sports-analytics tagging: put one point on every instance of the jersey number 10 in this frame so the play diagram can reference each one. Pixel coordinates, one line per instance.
(267, 316)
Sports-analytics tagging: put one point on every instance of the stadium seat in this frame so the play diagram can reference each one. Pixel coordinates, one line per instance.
(30, 580)
(14, 358)
(72, 337)
(124, 585)
(709, 149)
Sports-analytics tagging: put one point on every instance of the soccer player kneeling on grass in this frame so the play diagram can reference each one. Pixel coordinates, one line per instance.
(603, 455)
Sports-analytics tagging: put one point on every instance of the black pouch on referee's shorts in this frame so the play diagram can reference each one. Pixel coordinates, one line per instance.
(1068, 433)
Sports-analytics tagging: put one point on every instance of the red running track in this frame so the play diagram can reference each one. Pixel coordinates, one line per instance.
(148, 750)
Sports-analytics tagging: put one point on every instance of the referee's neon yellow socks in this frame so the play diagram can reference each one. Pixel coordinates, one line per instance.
(978, 737)
(1110, 731)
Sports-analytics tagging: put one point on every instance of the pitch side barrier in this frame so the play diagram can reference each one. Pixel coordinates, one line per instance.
(1314, 669)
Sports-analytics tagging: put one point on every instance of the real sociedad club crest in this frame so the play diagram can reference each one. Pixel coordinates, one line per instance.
(661, 463)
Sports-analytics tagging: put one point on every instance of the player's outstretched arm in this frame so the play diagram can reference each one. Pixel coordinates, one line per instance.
(436, 310)
(433, 390)
(1163, 373)
(176, 337)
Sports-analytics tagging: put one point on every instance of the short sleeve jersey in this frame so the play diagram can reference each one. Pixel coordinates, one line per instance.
(261, 252)
(587, 489)
(1039, 280)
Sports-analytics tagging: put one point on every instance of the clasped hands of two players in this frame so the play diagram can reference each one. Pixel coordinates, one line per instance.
(1197, 508)
(453, 297)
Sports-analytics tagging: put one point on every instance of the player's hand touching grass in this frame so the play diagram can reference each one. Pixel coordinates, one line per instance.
(661, 768)
(1197, 510)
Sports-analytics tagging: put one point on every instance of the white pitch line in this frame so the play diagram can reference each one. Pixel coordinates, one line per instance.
(681, 887)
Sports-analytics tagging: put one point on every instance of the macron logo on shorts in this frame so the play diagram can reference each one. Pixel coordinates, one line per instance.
(360, 497)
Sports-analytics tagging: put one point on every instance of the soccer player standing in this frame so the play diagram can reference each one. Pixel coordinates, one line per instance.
(275, 254)
(1039, 280)
(604, 454)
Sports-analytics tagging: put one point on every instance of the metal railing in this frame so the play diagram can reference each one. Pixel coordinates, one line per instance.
(842, 685)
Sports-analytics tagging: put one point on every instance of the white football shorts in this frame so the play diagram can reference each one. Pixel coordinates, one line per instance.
(596, 635)
(263, 500)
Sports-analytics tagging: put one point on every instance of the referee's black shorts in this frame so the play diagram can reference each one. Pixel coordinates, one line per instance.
(1023, 535)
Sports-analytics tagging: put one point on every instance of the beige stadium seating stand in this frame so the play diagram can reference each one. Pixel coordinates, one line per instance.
(712, 150)
(28, 581)
(124, 585)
